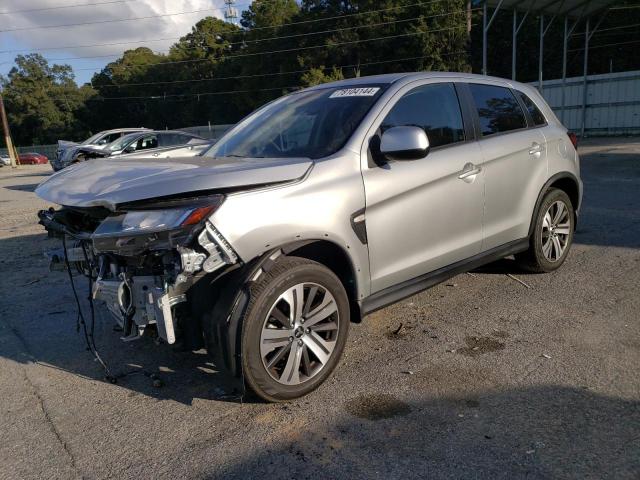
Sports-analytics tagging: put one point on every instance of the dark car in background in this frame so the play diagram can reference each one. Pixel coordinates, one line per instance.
(32, 158)
(147, 143)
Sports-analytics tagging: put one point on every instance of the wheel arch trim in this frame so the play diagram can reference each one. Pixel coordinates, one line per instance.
(230, 307)
(545, 188)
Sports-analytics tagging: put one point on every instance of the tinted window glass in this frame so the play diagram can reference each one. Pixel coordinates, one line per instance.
(498, 109)
(171, 139)
(434, 108)
(536, 114)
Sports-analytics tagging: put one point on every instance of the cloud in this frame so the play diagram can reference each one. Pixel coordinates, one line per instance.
(169, 27)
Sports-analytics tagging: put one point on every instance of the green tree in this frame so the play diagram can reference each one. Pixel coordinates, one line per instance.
(43, 102)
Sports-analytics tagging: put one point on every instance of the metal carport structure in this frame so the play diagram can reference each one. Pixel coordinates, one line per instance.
(573, 12)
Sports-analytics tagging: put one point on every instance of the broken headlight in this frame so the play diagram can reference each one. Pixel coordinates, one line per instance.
(153, 226)
(159, 215)
(149, 221)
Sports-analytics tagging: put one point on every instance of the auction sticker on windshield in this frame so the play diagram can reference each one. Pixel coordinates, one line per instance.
(355, 92)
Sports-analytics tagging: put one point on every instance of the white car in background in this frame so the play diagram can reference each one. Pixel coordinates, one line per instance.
(5, 160)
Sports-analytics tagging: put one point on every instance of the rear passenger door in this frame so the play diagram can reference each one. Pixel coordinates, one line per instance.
(514, 162)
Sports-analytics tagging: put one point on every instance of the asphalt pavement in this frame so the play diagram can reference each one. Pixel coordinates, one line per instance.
(493, 374)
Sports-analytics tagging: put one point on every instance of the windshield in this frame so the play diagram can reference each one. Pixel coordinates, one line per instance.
(310, 124)
(121, 143)
(92, 139)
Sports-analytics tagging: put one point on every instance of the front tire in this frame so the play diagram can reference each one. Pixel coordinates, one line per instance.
(552, 234)
(294, 329)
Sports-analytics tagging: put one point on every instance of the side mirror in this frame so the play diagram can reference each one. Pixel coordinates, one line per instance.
(130, 149)
(404, 143)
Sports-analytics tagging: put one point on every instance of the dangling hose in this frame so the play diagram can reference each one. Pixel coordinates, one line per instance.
(88, 335)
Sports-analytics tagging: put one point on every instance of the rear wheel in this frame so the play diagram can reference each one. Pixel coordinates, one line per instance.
(294, 330)
(552, 234)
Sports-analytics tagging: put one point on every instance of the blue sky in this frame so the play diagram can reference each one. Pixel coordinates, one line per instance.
(56, 43)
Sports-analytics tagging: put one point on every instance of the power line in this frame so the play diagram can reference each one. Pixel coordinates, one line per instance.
(390, 22)
(97, 22)
(604, 45)
(242, 77)
(607, 29)
(203, 94)
(239, 31)
(186, 95)
(287, 50)
(347, 15)
(70, 47)
(298, 35)
(59, 7)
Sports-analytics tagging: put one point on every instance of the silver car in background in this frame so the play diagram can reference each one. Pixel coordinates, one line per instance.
(147, 143)
(66, 149)
(317, 209)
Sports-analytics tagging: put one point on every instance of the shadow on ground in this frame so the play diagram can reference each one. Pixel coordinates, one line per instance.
(28, 187)
(545, 432)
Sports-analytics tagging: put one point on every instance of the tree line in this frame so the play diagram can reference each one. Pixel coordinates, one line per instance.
(219, 71)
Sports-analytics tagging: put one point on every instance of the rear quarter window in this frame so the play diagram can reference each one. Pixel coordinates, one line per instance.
(534, 111)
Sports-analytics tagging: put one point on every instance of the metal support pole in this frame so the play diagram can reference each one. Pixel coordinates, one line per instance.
(484, 38)
(485, 29)
(541, 55)
(7, 135)
(565, 39)
(584, 77)
(513, 44)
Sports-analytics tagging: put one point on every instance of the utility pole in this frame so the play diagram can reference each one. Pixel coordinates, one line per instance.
(7, 135)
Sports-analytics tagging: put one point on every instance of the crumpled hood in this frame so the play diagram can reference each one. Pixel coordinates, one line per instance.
(109, 182)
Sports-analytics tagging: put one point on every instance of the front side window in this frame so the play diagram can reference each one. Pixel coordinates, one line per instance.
(434, 108)
(497, 108)
(311, 124)
(534, 111)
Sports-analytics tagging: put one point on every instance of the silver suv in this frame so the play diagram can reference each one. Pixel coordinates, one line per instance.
(317, 209)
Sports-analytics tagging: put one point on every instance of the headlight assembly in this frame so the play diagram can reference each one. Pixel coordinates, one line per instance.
(138, 222)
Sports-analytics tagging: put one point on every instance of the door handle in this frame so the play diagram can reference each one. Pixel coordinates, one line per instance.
(536, 148)
(469, 170)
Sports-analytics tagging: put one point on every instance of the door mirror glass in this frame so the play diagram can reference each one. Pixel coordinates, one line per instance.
(404, 143)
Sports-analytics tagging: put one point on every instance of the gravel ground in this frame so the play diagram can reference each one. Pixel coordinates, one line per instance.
(480, 377)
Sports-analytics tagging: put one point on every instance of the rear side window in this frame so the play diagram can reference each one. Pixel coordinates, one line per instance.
(536, 114)
(498, 109)
(171, 139)
(434, 108)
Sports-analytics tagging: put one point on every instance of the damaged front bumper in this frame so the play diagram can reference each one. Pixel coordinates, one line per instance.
(143, 279)
(137, 302)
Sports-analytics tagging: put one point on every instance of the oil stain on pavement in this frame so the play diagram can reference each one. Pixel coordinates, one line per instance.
(377, 407)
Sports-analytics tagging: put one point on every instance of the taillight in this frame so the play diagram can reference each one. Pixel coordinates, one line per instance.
(574, 139)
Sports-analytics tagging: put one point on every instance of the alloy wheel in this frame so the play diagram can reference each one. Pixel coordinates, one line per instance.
(299, 333)
(556, 230)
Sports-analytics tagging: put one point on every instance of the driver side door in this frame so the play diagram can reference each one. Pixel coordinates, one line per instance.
(424, 214)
